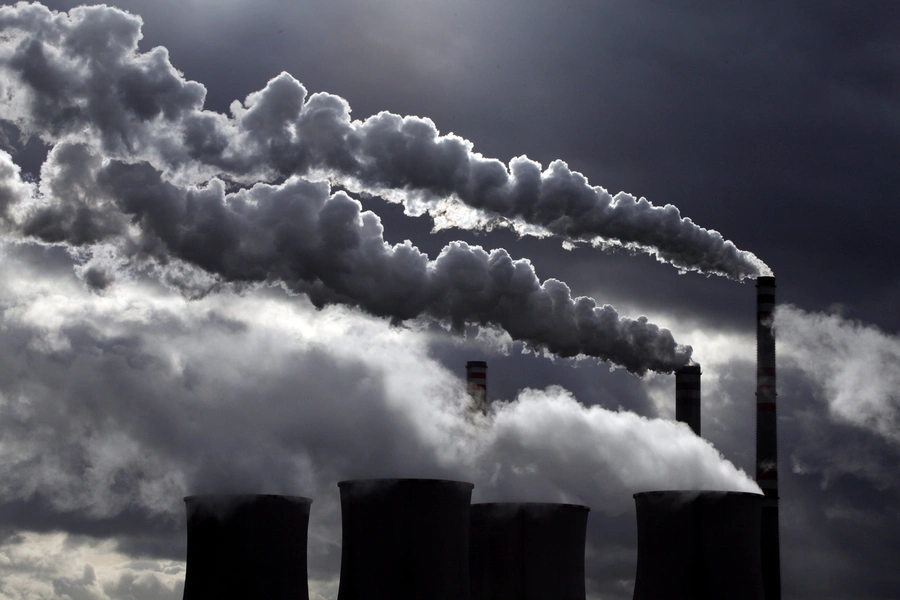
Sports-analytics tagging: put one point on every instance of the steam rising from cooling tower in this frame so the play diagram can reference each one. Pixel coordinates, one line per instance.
(63, 82)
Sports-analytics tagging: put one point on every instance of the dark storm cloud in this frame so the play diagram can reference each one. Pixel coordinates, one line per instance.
(140, 107)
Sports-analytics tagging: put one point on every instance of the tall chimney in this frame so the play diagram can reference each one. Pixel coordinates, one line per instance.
(698, 545)
(476, 384)
(527, 551)
(246, 546)
(405, 539)
(767, 434)
(687, 396)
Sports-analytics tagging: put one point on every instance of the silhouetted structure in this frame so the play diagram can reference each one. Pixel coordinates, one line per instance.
(527, 551)
(476, 384)
(767, 434)
(405, 539)
(695, 545)
(687, 396)
(246, 546)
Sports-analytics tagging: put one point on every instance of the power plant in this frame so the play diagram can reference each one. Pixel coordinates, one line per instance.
(422, 539)
(527, 551)
(405, 539)
(698, 546)
(246, 546)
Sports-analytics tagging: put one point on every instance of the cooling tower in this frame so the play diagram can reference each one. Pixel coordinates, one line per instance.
(405, 539)
(767, 434)
(246, 546)
(527, 551)
(687, 396)
(695, 545)
(476, 384)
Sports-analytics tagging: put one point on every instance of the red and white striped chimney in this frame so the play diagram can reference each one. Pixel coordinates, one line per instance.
(476, 384)
(767, 434)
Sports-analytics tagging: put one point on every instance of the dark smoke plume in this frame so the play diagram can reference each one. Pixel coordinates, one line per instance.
(65, 73)
(300, 235)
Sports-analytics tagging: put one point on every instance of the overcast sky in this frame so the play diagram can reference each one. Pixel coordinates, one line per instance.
(258, 260)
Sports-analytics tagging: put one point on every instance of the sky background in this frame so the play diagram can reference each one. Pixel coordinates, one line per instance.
(125, 385)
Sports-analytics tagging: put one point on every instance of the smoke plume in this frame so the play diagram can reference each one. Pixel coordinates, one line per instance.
(80, 74)
(300, 235)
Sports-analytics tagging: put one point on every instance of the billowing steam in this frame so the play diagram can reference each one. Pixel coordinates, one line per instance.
(80, 74)
(300, 235)
(856, 366)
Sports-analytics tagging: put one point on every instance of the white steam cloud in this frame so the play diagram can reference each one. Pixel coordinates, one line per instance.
(857, 366)
(80, 74)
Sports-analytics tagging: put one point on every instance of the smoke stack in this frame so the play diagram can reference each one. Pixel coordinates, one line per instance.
(476, 384)
(695, 545)
(405, 539)
(767, 434)
(527, 551)
(246, 546)
(687, 396)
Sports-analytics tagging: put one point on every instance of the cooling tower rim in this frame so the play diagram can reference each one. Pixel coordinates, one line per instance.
(697, 493)
(531, 505)
(401, 480)
(201, 498)
(476, 363)
(766, 281)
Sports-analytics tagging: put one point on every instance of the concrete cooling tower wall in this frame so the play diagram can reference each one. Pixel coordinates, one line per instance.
(405, 539)
(527, 551)
(246, 546)
(696, 545)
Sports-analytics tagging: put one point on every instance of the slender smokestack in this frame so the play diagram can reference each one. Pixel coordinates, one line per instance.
(246, 546)
(527, 551)
(687, 396)
(405, 539)
(767, 434)
(695, 545)
(476, 384)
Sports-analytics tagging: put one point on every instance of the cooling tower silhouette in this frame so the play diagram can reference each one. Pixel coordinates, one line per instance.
(527, 551)
(405, 539)
(246, 546)
(695, 545)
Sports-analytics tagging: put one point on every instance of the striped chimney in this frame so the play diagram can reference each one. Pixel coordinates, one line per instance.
(476, 384)
(687, 396)
(767, 434)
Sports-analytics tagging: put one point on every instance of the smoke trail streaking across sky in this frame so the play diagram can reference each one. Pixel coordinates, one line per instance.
(80, 74)
(324, 245)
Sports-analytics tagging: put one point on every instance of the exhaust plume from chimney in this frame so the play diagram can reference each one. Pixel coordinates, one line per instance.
(246, 546)
(527, 551)
(767, 434)
(138, 107)
(687, 396)
(405, 539)
(300, 236)
(698, 545)
(476, 384)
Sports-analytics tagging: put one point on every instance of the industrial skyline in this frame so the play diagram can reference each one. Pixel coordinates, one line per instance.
(141, 360)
